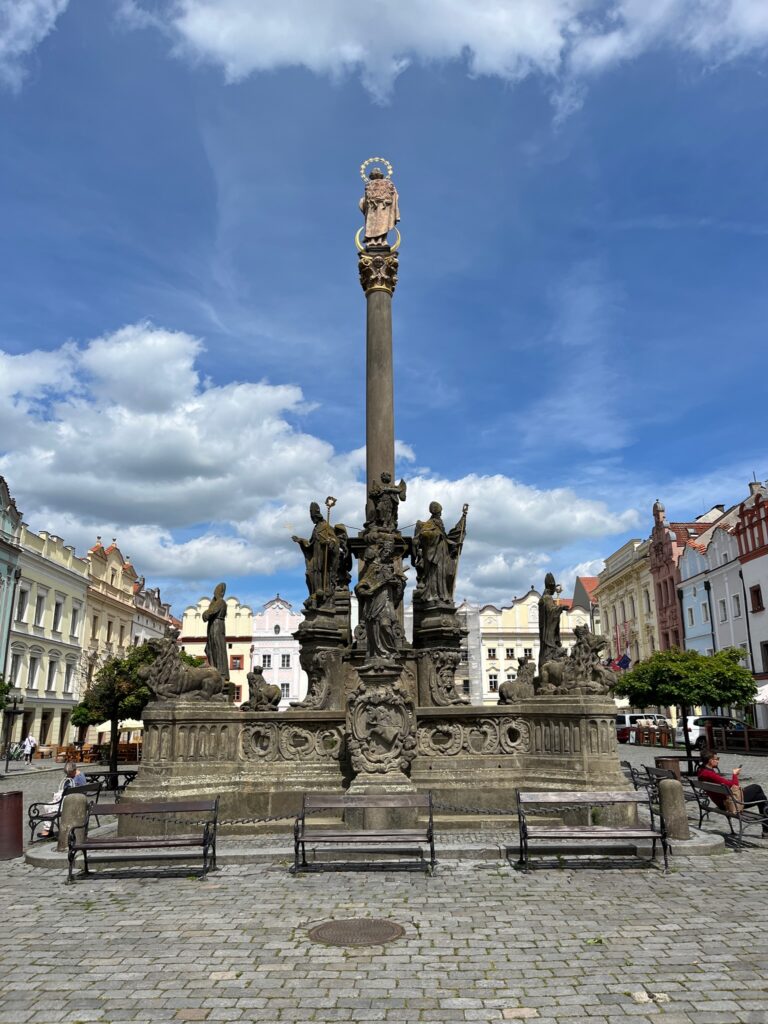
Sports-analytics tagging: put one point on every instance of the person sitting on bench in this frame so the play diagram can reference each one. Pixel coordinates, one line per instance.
(72, 777)
(751, 795)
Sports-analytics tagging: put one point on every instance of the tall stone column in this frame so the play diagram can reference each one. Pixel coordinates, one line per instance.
(378, 277)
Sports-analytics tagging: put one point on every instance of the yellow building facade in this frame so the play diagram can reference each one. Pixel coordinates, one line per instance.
(510, 633)
(239, 625)
(625, 594)
(111, 608)
(46, 635)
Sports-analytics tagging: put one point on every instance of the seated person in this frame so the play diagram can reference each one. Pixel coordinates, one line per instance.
(752, 795)
(72, 777)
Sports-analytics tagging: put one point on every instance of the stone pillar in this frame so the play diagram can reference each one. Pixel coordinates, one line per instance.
(672, 803)
(73, 814)
(378, 277)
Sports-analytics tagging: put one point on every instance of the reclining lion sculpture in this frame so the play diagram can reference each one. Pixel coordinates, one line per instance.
(169, 678)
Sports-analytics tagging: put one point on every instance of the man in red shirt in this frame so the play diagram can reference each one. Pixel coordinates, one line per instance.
(753, 796)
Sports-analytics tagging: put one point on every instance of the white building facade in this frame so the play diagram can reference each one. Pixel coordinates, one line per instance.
(276, 650)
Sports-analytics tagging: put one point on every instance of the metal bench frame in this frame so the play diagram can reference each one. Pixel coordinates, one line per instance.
(127, 847)
(577, 834)
(36, 816)
(304, 832)
(704, 792)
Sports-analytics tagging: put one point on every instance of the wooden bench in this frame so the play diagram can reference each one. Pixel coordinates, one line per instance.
(566, 835)
(201, 833)
(37, 813)
(705, 793)
(304, 832)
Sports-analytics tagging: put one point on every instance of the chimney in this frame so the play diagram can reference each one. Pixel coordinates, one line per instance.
(755, 487)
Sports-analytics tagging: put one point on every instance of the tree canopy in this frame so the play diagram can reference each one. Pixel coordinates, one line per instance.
(687, 679)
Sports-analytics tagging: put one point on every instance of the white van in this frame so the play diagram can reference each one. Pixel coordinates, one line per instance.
(626, 721)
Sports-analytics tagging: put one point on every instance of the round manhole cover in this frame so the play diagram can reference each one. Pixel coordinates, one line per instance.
(356, 931)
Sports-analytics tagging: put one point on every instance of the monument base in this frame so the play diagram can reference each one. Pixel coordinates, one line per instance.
(473, 757)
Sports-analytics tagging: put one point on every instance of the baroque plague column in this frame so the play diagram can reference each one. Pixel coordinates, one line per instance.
(381, 714)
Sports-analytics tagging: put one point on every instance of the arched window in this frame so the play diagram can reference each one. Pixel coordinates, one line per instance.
(277, 631)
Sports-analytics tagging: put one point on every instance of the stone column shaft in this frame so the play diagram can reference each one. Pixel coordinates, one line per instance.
(379, 390)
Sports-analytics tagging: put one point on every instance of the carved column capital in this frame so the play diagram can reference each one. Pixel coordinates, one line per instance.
(378, 271)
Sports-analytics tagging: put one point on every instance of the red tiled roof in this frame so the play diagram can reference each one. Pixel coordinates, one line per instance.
(565, 602)
(685, 531)
(590, 584)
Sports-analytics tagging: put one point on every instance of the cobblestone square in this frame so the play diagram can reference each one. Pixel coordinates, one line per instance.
(609, 942)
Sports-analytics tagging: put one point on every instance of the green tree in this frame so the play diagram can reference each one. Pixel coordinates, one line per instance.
(687, 679)
(117, 692)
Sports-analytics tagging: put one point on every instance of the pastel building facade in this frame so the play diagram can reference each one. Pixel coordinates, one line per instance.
(10, 528)
(751, 534)
(111, 608)
(151, 616)
(625, 594)
(46, 635)
(277, 651)
(239, 625)
(511, 632)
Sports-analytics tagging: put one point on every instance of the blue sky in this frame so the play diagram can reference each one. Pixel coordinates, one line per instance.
(579, 323)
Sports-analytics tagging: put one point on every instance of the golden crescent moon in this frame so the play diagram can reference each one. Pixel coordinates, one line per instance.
(361, 248)
(375, 160)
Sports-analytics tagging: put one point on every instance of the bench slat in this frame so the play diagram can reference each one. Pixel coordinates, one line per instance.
(178, 807)
(130, 843)
(569, 797)
(387, 800)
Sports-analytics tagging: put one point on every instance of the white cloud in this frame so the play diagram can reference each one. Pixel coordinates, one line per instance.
(23, 26)
(126, 440)
(505, 38)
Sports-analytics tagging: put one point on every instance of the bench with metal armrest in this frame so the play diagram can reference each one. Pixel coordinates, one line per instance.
(573, 837)
(321, 835)
(37, 814)
(747, 816)
(199, 834)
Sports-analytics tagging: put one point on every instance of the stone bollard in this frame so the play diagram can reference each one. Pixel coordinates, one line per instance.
(73, 813)
(672, 803)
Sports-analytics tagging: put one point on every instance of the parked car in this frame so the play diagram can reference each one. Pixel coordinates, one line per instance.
(696, 726)
(626, 721)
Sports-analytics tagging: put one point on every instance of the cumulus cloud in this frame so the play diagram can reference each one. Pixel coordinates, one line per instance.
(122, 437)
(23, 26)
(509, 39)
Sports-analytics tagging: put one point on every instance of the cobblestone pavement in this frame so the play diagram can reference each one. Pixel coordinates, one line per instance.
(483, 943)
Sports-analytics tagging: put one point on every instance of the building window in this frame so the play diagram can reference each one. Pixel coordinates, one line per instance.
(492, 652)
(40, 609)
(285, 691)
(285, 661)
(465, 687)
(705, 612)
(464, 657)
(15, 666)
(266, 661)
(58, 610)
(236, 662)
(756, 598)
(21, 606)
(34, 665)
(277, 631)
(647, 601)
(94, 627)
(69, 672)
(510, 653)
(632, 607)
(75, 621)
(736, 601)
(238, 694)
(53, 668)
(493, 682)
(122, 635)
(723, 610)
(109, 631)
(690, 617)
(528, 652)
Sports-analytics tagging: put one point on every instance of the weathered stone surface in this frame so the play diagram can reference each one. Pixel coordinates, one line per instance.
(672, 801)
(216, 644)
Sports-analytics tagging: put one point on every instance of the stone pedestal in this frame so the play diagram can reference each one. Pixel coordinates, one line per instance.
(73, 814)
(324, 637)
(392, 783)
(437, 636)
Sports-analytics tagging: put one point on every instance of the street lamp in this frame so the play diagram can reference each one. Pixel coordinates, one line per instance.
(10, 713)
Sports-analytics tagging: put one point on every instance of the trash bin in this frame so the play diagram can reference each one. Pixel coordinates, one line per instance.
(672, 764)
(11, 825)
